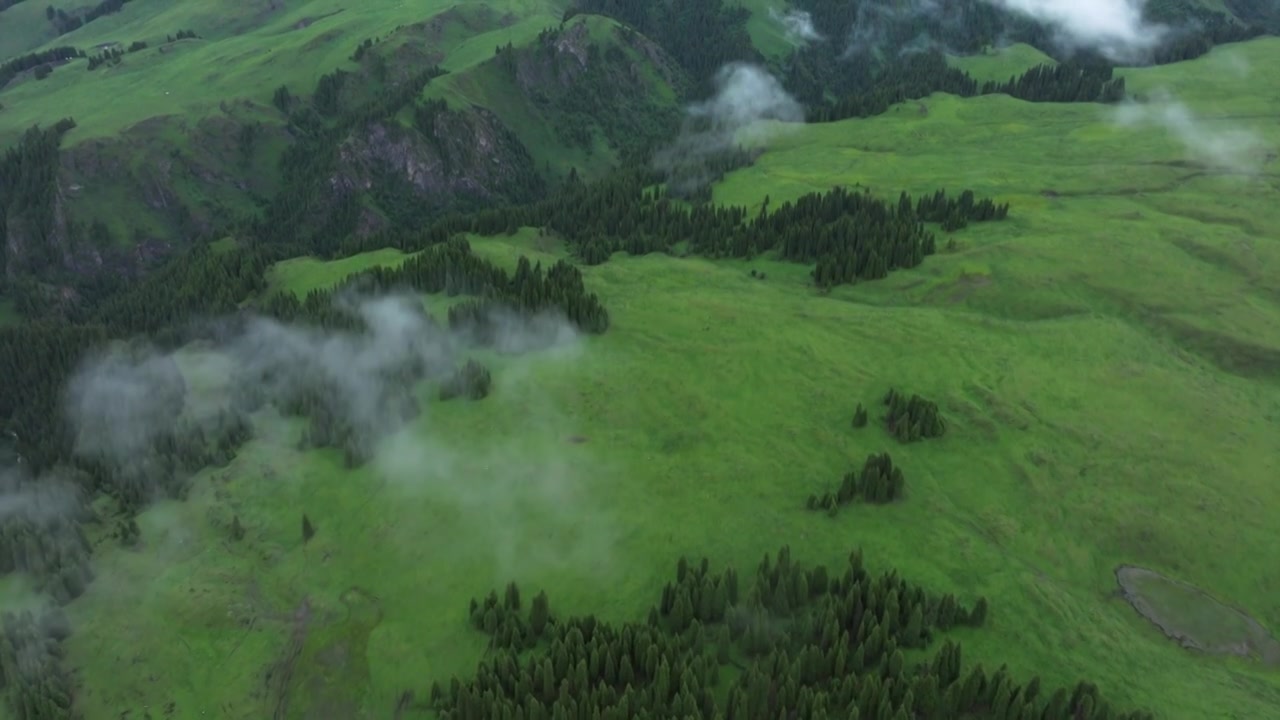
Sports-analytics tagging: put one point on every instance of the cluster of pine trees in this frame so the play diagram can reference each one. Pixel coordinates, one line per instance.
(879, 482)
(878, 53)
(28, 179)
(702, 35)
(449, 268)
(41, 535)
(66, 22)
(912, 418)
(309, 217)
(848, 234)
(801, 642)
(11, 68)
(471, 381)
(1066, 82)
(34, 683)
(596, 96)
(108, 56)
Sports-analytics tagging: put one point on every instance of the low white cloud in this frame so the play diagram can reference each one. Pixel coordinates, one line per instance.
(1209, 141)
(797, 24)
(1115, 28)
(745, 100)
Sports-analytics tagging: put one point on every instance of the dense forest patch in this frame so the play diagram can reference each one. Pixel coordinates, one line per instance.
(803, 642)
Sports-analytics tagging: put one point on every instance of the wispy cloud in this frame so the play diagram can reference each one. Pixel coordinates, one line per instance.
(1208, 141)
(745, 96)
(797, 24)
(1115, 28)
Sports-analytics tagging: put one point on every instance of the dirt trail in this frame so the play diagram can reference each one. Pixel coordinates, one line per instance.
(280, 677)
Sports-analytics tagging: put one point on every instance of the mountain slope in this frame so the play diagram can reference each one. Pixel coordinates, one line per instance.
(182, 137)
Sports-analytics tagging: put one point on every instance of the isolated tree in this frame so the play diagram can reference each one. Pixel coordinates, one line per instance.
(308, 530)
(237, 530)
(539, 614)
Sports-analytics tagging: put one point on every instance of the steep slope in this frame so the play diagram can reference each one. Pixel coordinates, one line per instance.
(579, 96)
(185, 135)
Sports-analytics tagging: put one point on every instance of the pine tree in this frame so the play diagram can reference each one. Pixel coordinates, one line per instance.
(978, 616)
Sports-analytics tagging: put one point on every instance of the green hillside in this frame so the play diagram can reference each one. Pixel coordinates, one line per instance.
(246, 51)
(1027, 334)
(998, 65)
(370, 361)
(185, 134)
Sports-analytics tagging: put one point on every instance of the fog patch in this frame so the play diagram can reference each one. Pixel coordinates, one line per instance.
(749, 106)
(1207, 140)
(797, 26)
(1114, 28)
(532, 502)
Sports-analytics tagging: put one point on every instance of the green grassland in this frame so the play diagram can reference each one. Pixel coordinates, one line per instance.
(246, 50)
(767, 34)
(167, 118)
(304, 274)
(1000, 64)
(1105, 358)
(24, 27)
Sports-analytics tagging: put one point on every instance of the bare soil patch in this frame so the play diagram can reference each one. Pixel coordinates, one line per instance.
(1193, 618)
(967, 285)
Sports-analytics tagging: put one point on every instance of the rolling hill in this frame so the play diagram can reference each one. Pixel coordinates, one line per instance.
(459, 353)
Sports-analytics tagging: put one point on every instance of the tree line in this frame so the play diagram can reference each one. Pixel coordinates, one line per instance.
(701, 35)
(900, 59)
(596, 97)
(801, 642)
(849, 234)
(65, 22)
(450, 269)
(11, 68)
(32, 679)
(28, 180)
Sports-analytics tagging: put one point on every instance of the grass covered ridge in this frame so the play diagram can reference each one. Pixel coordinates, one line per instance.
(1000, 64)
(246, 51)
(1096, 357)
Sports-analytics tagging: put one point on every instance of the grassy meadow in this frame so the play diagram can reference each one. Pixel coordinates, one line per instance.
(1105, 359)
(1108, 360)
(767, 34)
(247, 50)
(304, 274)
(1000, 64)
